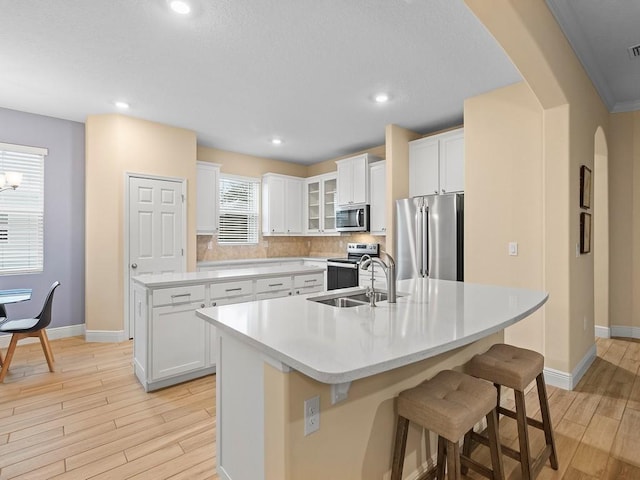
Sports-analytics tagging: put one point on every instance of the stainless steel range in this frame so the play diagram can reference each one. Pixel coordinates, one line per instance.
(343, 272)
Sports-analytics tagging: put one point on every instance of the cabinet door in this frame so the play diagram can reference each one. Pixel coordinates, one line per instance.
(329, 185)
(452, 163)
(275, 198)
(178, 340)
(207, 177)
(313, 207)
(360, 180)
(423, 167)
(345, 181)
(378, 199)
(293, 206)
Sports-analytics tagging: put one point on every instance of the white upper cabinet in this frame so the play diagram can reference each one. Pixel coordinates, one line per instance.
(436, 164)
(353, 179)
(207, 187)
(320, 212)
(281, 204)
(378, 179)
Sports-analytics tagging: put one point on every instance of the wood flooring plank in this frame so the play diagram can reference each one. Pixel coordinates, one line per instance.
(92, 469)
(141, 464)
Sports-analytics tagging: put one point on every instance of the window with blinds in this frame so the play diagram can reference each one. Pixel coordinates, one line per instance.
(22, 211)
(239, 207)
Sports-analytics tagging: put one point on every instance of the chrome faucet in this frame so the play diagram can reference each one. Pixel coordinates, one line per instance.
(389, 269)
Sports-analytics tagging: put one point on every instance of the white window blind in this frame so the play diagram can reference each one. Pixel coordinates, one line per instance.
(239, 207)
(22, 211)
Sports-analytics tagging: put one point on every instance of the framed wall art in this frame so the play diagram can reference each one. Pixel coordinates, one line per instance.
(585, 232)
(585, 187)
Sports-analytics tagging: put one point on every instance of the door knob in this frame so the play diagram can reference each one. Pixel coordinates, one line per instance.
(134, 265)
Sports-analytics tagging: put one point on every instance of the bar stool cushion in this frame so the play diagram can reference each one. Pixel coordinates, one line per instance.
(449, 404)
(507, 365)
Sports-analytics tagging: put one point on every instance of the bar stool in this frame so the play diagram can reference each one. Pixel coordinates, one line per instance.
(516, 368)
(449, 404)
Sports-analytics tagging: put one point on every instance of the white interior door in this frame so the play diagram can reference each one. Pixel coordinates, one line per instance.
(156, 230)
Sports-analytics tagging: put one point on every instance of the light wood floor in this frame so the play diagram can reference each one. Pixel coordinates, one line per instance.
(91, 419)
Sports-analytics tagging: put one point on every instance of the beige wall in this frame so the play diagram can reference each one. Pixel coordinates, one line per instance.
(116, 144)
(572, 113)
(397, 169)
(248, 165)
(624, 219)
(364, 422)
(504, 197)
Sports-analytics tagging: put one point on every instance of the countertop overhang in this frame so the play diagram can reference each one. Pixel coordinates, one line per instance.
(338, 345)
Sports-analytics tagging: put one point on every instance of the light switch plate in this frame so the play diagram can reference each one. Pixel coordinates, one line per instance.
(513, 248)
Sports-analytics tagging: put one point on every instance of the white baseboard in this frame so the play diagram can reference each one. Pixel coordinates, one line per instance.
(568, 381)
(626, 332)
(52, 333)
(105, 336)
(603, 332)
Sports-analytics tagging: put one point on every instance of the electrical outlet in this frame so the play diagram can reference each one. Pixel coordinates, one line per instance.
(311, 415)
(513, 249)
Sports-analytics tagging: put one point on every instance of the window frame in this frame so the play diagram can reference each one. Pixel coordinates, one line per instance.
(253, 236)
(24, 209)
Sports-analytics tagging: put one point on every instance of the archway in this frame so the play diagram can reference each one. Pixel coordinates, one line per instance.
(601, 235)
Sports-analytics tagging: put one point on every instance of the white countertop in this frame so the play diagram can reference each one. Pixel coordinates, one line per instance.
(189, 278)
(337, 345)
(258, 261)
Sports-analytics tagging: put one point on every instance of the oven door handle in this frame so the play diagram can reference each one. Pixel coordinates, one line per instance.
(353, 266)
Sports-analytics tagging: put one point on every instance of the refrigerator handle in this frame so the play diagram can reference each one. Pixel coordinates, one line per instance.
(425, 243)
(419, 239)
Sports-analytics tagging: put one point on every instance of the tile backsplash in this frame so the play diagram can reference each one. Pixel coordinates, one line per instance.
(271, 247)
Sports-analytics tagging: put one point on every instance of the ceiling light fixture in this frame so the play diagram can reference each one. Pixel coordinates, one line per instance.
(381, 97)
(181, 7)
(276, 141)
(121, 105)
(10, 180)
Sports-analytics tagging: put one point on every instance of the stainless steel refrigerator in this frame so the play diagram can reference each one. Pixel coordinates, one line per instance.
(429, 237)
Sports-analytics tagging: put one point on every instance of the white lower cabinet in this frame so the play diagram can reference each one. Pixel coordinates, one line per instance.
(177, 337)
(311, 283)
(172, 344)
(275, 287)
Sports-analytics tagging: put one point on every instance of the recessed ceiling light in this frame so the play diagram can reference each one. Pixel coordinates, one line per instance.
(276, 141)
(180, 6)
(121, 105)
(381, 97)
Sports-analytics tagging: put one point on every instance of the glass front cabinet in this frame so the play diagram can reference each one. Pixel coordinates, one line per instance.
(321, 201)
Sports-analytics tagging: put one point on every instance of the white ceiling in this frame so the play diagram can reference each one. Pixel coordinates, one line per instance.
(239, 72)
(601, 32)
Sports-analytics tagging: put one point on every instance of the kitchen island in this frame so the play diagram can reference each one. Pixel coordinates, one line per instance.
(274, 355)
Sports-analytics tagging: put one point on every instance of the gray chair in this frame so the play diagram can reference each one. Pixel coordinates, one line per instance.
(29, 327)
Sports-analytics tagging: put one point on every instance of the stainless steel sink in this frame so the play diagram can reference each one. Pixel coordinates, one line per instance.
(348, 299)
(339, 302)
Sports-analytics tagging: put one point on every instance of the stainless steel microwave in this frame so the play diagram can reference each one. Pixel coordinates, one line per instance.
(352, 218)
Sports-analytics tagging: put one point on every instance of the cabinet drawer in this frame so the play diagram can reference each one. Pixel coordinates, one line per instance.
(310, 280)
(274, 294)
(305, 290)
(231, 289)
(273, 284)
(178, 295)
